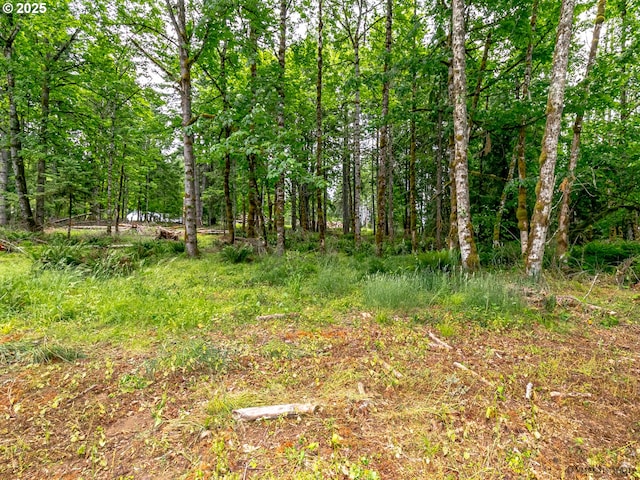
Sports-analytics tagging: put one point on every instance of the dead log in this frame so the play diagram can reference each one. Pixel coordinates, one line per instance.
(438, 343)
(277, 316)
(273, 411)
(168, 234)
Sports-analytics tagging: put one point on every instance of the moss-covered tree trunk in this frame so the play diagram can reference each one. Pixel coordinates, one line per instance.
(549, 153)
(4, 182)
(567, 184)
(468, 251)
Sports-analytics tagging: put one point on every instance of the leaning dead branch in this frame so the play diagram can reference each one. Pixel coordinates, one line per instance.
(475, 374)
(273, 411)
(277, 316)
(437, 343)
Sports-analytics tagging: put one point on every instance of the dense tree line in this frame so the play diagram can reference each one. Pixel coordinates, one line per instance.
(449, 124)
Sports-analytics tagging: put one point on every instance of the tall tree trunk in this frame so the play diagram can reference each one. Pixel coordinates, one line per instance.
(111, 156)
(468, 251)
(412, 171)
(439, 179)
(4, 183)
(452, 239)
(319, 168)
(346, 181)
(44, 142)
(228, 202)
(390, 206)
(549, 153)
(357, 167)
(179, 21)
(254, 193)
(567, 184)
(279, 200)
(384, 135)
(293, 195)
(14, 133)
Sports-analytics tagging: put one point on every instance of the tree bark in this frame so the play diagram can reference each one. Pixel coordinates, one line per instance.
(178, 18)
(279, 200)
(468, 251)
(567, 184)
(439, 178)
(4, 183)
(384, 135)
(319, 167)
(254, 194)
(549, 153)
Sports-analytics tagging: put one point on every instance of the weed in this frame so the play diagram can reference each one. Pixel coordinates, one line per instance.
(237, 253)
(394, 291)
(195, 355)
(36, 352)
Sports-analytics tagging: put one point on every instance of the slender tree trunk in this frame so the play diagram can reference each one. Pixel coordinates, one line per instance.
(390, 206)
(412, 172)
(44, 141)
(439, 179)
(357, 167)
(111, 155)
(452, 239)
(120, 199)
(279, 200)
(468, 251)
(4, 183)
(549, 153)
(294, 205)
(254, 193)
(319, 167)
(384, 135)
(346, 182)
(14, 136)
(567, 184)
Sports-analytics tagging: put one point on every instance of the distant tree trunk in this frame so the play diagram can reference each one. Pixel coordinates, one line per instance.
(567, 184)
(279, 200)
(319, 168)
(120, 200)
(357, 168)
(439, 179)
(390, 206)
(412, 171)
(346, 183)
(468, 251)
(452, 239)
(4, 183)
(549, 153)
(254, 193)
(304, 207)
(294, 205)
(44, 140)
(384, 135)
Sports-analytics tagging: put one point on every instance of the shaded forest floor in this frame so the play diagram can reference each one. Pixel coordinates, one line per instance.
(135, 376)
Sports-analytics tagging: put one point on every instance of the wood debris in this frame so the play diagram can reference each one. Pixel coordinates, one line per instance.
(273, 411)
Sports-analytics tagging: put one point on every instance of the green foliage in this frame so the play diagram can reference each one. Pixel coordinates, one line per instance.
(36, 352)
(237, 253)
(401, 292)
(195, 355)
(603, 256)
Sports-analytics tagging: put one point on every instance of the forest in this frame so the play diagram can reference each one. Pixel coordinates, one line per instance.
(320, 239)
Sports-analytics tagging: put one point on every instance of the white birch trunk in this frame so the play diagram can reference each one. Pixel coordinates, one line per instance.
(549, 153)
(468, 251)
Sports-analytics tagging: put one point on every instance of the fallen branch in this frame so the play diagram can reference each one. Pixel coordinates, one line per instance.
(10, 247)
(569, 394)
(390, 369)
(167, 234)
(277, 316)
(273, 411)
(477, 375)
(570, 301)
(438, 343)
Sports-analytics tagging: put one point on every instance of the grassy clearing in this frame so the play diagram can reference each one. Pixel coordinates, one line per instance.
(174, 345)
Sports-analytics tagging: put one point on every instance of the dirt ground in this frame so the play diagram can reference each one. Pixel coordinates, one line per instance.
(393, 403)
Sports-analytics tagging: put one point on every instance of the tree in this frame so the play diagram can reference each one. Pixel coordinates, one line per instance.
(468, 251)
(549, 153)
(567, 184)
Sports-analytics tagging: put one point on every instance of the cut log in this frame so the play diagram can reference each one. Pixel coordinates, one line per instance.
(167, 234)
(273, 411)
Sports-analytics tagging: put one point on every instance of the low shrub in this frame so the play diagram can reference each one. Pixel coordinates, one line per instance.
(603, 256)
(237, 253)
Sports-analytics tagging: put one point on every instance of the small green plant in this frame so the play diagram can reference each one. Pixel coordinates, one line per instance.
(394, 291)
(237, 253)
(195, 355)
(36, 352)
